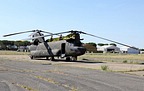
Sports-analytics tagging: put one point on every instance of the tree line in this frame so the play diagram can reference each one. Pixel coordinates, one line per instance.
(12, 45)
(100, 44)
(92, 47)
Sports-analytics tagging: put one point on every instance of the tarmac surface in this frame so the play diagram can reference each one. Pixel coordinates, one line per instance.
(52, 76)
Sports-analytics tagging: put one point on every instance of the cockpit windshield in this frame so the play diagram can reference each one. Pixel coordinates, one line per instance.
(71, 40)
(75, 42)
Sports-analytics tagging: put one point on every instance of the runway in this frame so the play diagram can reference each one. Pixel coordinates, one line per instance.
(39, 76)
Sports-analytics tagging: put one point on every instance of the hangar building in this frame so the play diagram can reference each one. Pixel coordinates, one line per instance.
(129, 50)
(108, 49)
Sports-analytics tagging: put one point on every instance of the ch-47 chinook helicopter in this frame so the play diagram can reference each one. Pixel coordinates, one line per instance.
(69, 47)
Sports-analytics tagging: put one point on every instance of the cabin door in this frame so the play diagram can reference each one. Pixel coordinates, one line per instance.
(63, 50)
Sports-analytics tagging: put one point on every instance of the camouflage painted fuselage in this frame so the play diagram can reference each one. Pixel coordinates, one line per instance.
(57, 48)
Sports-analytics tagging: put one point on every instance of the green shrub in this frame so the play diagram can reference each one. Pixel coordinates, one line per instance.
(104, 67)
(125, 61)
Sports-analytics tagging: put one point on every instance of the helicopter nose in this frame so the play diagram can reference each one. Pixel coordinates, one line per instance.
(82, 50)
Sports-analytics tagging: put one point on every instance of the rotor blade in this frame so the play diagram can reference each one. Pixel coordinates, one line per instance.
(46, 35)
(39, 31)
(17, 33)
(109, 40)
(46, 32)
(58, 33)
(54, 33)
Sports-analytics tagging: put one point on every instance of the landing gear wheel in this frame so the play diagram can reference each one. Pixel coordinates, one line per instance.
(68, 59)
(47, 58)
(74, 58)
(52, 59)
(32, 57)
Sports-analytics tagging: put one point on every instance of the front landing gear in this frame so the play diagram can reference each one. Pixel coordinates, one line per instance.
(74, 58)
(31, 57)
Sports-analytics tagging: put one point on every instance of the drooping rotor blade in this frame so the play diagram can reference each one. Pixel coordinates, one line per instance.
(17, 33)
(108, 40)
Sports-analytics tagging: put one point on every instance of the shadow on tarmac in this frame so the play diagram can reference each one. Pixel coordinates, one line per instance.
(78, 61)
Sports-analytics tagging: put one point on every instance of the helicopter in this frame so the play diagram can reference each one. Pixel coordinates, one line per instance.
(69, 47)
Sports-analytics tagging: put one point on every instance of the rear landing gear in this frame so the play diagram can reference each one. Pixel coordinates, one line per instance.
(52, 59)
(47, 58)
(71, 58)
(68, 59)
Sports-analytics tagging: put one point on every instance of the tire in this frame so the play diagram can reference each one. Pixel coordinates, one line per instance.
(51, 58)
(32, 57)
(47, 58)
(74, 58)
(68, 59)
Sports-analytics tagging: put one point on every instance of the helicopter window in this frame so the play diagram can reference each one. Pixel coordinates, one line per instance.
(36, 42)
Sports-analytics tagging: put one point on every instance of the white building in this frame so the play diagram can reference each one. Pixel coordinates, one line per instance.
(141, 52)
(129, 50)
(108, 49)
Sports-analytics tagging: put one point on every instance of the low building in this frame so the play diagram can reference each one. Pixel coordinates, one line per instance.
(141, 52)
(23, 49)
(108, 49)
(129, 50)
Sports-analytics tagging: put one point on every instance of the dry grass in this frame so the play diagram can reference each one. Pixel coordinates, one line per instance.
(13, 53)
(112, 62)
(127, 58)
(97, 57)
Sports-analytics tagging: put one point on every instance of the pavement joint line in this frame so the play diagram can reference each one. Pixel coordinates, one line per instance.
(71, 88)
(12, 84)
(25, 87)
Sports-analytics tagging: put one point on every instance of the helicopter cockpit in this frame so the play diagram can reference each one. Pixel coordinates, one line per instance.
(74, 42)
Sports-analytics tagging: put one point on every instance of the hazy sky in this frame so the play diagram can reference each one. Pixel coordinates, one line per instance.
(119, 20)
